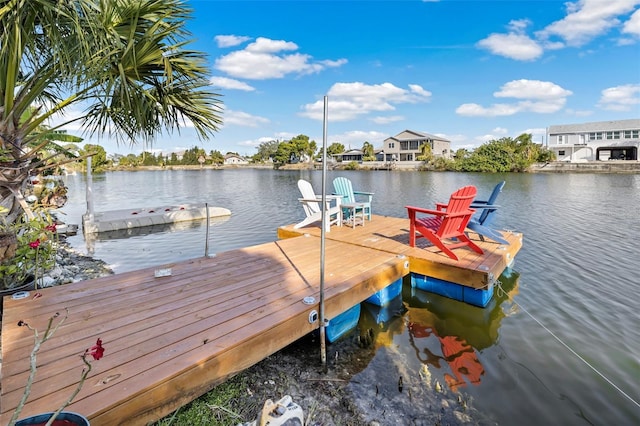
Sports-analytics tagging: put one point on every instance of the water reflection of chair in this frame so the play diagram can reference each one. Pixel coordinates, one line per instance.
(456, 352)
(460, 329)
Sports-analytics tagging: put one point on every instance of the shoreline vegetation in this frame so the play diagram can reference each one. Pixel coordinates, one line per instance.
(630, 167)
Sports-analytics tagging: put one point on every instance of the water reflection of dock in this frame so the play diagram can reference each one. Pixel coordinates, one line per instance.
(141, 231)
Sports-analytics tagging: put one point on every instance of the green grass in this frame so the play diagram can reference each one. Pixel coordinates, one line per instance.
(227, 404)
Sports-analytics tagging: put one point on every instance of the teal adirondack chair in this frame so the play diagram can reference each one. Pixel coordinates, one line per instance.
(342, 186)
(481, 222)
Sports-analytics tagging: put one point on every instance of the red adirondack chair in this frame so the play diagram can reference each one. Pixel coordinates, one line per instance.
(445, 229)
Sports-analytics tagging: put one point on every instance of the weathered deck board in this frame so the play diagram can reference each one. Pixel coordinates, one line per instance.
(170, 339)
(391, 234)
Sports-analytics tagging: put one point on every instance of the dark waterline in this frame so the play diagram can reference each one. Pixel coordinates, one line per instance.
(576, 277)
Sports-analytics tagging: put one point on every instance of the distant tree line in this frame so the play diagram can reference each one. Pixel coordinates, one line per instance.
(499, 155)
(193, 156)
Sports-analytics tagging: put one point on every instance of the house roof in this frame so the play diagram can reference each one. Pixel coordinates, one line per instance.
(413, 135)
(596, 126)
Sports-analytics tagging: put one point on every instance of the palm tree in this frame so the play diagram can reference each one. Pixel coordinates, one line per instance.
(426, 154)
(367, 151)
(125, 63)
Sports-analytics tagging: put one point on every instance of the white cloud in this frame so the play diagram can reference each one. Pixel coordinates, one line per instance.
(537, 134)
(418, 90)
(632, 26)
(585, 20)
(278, 136)
(267, 45)
(515, 46)
(244, 119)
(620, 98)
(230, 40)
(255, 142)
(532, 89)
(230, 83)
(348, 101)
(518, 25)
(354, 139)
(500, 131)
(456, 139)
(535, 96)
(588, 19)
(476, 110)
(266, 59)
(486, 138)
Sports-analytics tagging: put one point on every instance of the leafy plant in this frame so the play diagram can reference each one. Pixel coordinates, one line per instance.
(126, 64)
(35, 252)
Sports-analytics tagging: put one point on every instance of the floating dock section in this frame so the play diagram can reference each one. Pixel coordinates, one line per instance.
(470, 279)
(114, 220)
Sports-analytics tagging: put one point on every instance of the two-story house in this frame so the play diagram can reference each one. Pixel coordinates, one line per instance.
(405, 146)
(234, 159)
(595, 141)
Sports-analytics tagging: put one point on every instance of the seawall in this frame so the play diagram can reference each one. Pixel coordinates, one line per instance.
(587, 167)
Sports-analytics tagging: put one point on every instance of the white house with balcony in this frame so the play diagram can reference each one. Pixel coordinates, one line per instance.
(617, 140)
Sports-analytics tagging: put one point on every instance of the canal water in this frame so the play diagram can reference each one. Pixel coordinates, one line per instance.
(560, 342)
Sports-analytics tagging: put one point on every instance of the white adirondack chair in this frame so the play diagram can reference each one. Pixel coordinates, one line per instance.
(311, 204)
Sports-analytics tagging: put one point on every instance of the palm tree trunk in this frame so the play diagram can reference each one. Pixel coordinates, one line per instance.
(12, 181)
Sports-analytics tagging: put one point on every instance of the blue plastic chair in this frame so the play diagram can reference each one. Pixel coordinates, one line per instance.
(480, 222)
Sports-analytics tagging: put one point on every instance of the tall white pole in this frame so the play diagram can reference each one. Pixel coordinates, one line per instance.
(89, 192)
(323, 345)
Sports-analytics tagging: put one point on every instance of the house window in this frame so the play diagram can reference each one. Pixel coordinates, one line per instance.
(561, 152)
(595, 136)
(560, 139)
(392, 145)
(631, 134)
(613, 135)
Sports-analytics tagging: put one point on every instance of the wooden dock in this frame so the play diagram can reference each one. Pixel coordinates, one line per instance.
(170, 339)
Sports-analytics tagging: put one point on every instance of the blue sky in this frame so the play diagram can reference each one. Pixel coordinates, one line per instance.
(467, 70)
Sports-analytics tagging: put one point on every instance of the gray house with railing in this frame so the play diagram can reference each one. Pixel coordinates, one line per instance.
(405, 146)
(617, 140)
